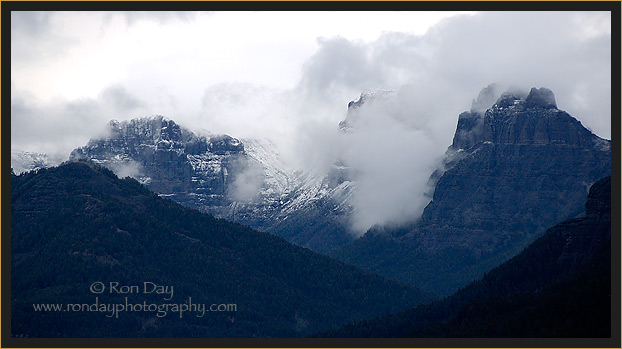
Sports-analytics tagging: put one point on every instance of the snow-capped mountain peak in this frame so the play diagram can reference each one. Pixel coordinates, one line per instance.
(24, 161)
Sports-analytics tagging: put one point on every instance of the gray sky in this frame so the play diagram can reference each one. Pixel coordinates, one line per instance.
(84, 68)
(288, 76)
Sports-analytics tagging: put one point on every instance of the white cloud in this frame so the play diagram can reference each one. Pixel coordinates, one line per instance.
(127, 169)
(393, 161)
(247, 184)
(58, 126)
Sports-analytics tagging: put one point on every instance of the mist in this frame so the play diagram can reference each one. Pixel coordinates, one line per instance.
(127, 169)
(392, 161)
(396, 143)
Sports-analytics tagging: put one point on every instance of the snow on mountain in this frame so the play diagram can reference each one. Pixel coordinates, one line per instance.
(24, 161)
(242, 180)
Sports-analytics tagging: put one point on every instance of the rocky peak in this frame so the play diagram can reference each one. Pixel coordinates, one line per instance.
(541, 98)
(147, 129)
(222, 144)
(518, 118)
(24, 161)
(161, 133)
(508, 99)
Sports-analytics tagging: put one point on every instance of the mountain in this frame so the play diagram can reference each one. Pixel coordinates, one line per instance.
(22, 161)
(559, 286)
(244, 181)
(83, 239)
(514, 169)
(196, 171)
(316, 212)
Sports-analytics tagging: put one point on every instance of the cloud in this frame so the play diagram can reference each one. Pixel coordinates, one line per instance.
(247, 184)
(58, 126)
(162, 17)
(531, 50)
(393, 163)
(119, 100)
(338, 64)
(126, 169)
(28, 27)
(244, 110)
(30, 23)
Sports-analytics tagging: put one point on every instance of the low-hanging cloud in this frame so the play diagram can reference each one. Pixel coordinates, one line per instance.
(392, 161)
(129, 168)
(247, 184)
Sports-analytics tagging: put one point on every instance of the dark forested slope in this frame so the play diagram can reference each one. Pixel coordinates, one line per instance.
(78, 224)
(560, 286)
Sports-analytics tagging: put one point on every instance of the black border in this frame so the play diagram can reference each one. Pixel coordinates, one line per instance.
(7, 341)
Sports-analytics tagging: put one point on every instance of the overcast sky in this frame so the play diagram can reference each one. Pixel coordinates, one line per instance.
(72, 70)
(289, 76)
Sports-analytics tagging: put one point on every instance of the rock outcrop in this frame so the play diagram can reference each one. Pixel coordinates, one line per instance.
(198, 171)
(513, 119)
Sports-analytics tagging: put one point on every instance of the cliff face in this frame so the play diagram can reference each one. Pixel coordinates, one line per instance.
(521, 166)
(515, 119)
(202, 172)
(514, 169)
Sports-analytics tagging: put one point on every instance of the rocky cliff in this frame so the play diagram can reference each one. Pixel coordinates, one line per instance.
(518, 119)
(519, 167)
(513, 170)
(209, 172)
